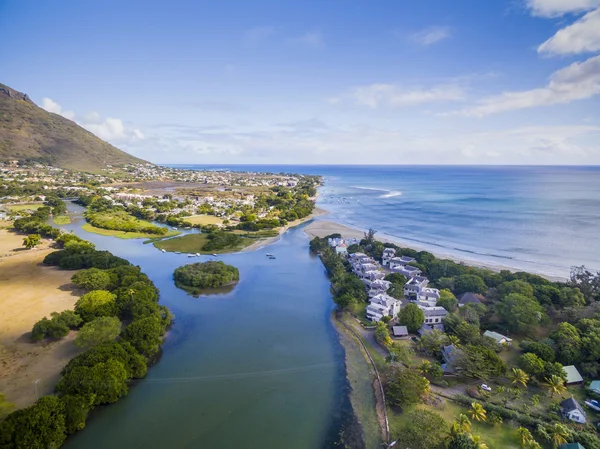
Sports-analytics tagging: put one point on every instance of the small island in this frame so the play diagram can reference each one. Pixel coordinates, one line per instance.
(196, 277)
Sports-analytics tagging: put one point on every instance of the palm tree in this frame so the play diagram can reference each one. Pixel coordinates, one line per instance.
(453, 340)
(477, 412)
(453, 432)
(525, 435)
(555, 384)
(558, 434)
(463, 423)
(519, 377)
(532, 444)
(424, 367)
(478, 444)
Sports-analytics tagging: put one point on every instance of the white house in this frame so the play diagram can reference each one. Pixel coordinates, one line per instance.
(500, 339)
(388, 254)
(371, 276)
(433, 315)
(382, 305)
(570, 409)
(379, 286)
(412, 289)
(399, 262)
(406, 270)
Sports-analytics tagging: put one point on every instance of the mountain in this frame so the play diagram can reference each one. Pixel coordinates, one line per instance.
(28, 132)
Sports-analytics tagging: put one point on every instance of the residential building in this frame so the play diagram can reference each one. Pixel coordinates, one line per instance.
(382, 305)
(371, 276)
(570, 409)
(500, 339)
(407, 270)
(571, 446)
(412, 289)
(434, 315)
(450, 354)
(379, 286)
(399, 262)
(469, 298)
(399, 331)
(341, 249)
(388, 254)
(573, 376)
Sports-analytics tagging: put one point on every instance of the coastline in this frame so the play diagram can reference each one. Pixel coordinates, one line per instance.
(317, 212)
(322, 228)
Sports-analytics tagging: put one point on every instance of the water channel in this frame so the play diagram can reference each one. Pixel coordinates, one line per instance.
(258, 367)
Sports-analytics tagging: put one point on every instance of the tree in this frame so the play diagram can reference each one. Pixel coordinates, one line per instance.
(531, 364)
(396, 278)
(422, 429)
(122, 351)
(568, 343)
(92, 279)
(469, 283)
(542, 350)
(586, 281)
(382, 335)
(447, 300)
(519, 313)
(95, 304)
(477, 412)
(516, 286)
(98, 331)
(478, 442)
(76, 409)
(519, 377)
(412, 317)
(406, 387)
(40, 426)
(32, 240)
(462, 441)
(556, 385)
(5, 406)
(68, 318)
(569, 297)
(524, 435)
(369, 237)
(45, 328)
(432, 342)
(144, 335)
(559, 433)
(479, 362)
(104, 383)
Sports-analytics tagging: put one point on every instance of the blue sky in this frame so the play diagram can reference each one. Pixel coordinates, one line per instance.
(317, 81)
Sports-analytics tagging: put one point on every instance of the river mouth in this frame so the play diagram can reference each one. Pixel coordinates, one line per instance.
(259, 366)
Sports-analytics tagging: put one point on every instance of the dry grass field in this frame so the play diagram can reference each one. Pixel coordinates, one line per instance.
(204, 219)
(28, 292)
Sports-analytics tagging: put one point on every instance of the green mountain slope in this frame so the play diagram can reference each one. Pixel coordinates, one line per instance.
(28, 132)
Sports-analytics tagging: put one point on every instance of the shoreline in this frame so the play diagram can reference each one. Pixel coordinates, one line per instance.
(317, 212)
(322, 228)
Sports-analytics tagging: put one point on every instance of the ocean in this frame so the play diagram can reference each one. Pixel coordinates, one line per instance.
(539, 219)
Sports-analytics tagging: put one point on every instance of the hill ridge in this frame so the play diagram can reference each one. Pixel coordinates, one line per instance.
(30, 133)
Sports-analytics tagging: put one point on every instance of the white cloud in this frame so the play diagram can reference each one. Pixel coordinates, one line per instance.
(312, 39)
(376, 95)
(431, 35)
(51, 106)
(579, 37)
(109, 129)
(577, 81)
(257, 35)
(555, 8)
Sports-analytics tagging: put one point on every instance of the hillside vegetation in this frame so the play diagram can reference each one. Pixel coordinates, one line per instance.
(30, 133)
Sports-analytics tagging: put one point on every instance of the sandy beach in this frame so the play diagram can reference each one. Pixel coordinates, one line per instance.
(28, 292)
(322, 228)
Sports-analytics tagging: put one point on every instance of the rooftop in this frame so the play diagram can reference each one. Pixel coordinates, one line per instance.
(573, 375)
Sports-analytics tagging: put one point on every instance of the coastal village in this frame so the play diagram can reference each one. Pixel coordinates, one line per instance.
(578, 398)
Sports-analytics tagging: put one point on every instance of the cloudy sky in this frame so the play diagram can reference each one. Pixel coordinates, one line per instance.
(317, 81)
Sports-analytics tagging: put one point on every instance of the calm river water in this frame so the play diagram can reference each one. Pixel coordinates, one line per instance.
(259, 367)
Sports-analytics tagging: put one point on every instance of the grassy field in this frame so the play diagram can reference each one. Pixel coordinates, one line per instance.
(360, 376)
(24, 206)
(193, 243)
(503, 436)
(204, 219)
(62, 220)
(125, 235)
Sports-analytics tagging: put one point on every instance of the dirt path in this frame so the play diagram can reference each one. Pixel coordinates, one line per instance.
(28, 292)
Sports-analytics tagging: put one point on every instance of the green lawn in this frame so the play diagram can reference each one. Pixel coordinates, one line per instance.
(193, 243)
(203, 219)
(24, 206)
(125, 235)
(502, 436)
(62, 220)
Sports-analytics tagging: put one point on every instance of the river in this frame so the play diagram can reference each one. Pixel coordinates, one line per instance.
(258, 367)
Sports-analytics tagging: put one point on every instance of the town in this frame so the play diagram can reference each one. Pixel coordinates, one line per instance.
(478, 343)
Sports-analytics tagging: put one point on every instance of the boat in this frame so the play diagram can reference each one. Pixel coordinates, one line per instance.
(214, 255)
(269, 255)
(197, 254)
(164, 250)
(191, 255)
(174, 229)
